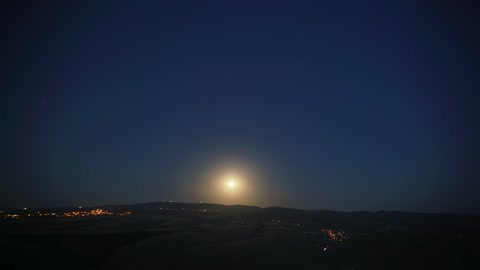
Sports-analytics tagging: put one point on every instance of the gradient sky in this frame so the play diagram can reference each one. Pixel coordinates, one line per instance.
(340, 105)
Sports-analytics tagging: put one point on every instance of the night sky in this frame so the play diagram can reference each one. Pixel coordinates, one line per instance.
(339, 105)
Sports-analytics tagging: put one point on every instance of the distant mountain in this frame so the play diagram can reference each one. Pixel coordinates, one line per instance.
(360, 221)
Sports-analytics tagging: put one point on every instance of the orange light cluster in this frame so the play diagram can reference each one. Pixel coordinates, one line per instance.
(9, 216)
(94, 212)
(336, 236)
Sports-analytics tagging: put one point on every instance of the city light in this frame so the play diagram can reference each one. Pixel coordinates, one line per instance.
(70, 214)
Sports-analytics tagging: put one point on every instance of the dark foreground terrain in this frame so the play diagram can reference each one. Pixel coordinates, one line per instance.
(167, 235)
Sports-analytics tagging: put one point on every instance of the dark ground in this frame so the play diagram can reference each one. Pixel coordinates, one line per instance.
(240, 237)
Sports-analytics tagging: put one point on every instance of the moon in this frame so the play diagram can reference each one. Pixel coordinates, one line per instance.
(231, 183)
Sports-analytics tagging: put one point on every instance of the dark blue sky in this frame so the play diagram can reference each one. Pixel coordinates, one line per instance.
(341, 105)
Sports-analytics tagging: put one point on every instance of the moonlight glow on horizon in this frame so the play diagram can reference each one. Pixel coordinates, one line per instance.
(233, 183)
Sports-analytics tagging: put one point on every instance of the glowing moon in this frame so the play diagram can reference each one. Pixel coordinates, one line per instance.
(231, 187)
(231, 184)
